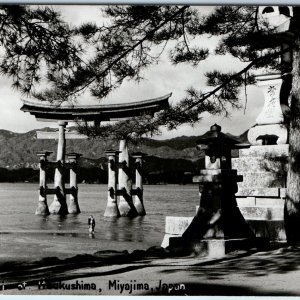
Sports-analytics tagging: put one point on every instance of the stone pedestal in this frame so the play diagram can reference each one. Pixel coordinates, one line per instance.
(174, 228)
(126, 207)
(112, 206)
(264, 165)
(59, 204)
(261, 195)
(73, 205)
(42, 208)
(213, 247)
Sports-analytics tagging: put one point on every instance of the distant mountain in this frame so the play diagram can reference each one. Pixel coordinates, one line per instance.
(167, 161)
(18, 150)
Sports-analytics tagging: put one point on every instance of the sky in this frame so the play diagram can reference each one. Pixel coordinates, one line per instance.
(159, 80)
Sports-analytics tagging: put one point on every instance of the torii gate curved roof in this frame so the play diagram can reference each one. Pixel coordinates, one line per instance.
(101, 112)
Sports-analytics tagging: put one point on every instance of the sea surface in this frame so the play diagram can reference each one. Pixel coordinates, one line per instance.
(22, 233)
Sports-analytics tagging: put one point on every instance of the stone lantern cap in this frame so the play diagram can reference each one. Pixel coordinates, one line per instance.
(214, 137)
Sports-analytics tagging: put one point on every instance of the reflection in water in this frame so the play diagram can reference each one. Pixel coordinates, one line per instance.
(18, 214)
(73, 234)
(42, 221)
(112, 234)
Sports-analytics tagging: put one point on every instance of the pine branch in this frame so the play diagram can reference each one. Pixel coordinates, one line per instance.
(236, 75)
(115, 61)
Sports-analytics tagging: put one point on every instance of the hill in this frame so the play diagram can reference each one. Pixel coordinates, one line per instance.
(18, 150)
(166, 161)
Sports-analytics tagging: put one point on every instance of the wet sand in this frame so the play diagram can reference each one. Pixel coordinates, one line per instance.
(152, 272)
(62, 244)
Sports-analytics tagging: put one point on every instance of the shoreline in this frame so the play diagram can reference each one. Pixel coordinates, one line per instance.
(141, 272)
(242, 273)
(60, 267)
(106, 262)
(34, 245)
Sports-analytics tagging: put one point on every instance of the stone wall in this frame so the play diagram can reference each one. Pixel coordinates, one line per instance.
(261, 194)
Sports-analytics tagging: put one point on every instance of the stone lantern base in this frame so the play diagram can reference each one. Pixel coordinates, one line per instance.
(212, 247)
(218, 226)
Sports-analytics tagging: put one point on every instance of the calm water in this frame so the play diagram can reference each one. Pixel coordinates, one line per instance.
(18, 203)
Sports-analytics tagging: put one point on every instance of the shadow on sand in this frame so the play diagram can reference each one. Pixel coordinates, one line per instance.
(200, 278)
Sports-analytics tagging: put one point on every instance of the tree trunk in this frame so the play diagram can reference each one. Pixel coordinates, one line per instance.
(292, 203)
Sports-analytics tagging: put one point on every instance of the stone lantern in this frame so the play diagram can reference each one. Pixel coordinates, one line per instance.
(218, 226)
(218, 213)
(263, 166)
(217, 147)
(275, 84)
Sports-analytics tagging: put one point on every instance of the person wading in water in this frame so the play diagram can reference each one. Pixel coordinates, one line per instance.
(91, 223)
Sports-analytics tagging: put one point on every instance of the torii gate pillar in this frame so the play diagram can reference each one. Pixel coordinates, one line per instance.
(138, 197)
(42, 208)
(59, 204)
(112, 206)
(73, 205)
(126, 206)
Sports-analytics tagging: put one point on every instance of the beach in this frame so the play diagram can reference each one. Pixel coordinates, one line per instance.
(159, 272)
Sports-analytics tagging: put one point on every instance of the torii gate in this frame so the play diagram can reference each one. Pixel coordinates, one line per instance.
(96, 113)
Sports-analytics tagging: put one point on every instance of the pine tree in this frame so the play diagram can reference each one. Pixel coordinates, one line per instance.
(134, 39)
(35, 44)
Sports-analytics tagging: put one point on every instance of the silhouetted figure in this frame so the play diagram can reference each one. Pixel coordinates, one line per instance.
(91, 223)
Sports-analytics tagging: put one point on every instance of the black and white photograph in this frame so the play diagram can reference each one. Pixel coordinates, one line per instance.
(149, 150)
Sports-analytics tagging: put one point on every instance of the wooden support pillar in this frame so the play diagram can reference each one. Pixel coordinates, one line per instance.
(126, 206)
(59, 204)
(73, 205)
(112, 206)
(42, 208)
(138, 195)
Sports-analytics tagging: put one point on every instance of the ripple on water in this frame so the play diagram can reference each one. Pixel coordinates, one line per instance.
(17, 217)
